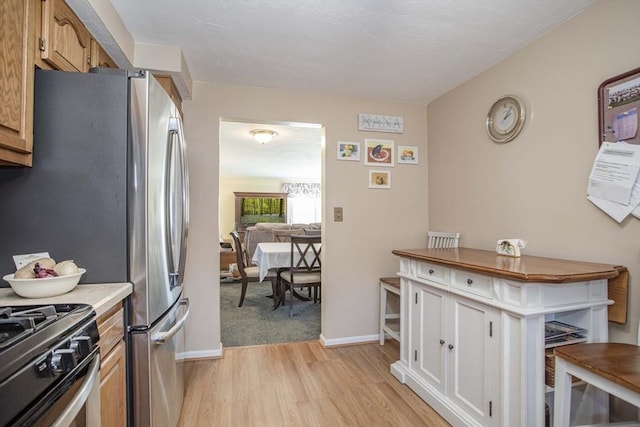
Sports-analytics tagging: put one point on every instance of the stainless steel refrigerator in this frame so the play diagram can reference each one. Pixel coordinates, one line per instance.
(109, 189)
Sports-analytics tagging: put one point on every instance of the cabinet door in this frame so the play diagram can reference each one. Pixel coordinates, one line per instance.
(473, 356)
(65, 42)
(99, 57)
(167, 83)
(16, 81)
(113, 392)
(428, 335)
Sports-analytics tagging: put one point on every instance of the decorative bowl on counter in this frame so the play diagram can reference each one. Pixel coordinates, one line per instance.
(45, 287)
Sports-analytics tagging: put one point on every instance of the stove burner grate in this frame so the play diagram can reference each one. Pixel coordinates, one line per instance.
(18, 323)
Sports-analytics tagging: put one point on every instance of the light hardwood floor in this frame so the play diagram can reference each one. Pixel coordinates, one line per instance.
(302, 384)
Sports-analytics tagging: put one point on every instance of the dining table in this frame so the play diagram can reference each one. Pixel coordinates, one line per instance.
(277, 256)
(273, 256)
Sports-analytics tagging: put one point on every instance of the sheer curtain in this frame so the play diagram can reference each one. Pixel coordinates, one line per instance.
(304, 204)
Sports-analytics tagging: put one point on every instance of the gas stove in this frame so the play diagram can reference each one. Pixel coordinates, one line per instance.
(39, 346)
(17, 323)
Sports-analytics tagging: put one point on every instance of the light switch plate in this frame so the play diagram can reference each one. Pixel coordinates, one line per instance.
(337, 214)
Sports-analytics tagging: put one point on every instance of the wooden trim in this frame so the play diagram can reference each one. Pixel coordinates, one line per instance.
(618, 291)
(260, 194)
(524, 269)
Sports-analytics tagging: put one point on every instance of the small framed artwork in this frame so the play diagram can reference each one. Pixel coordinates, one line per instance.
(379, 179)
(408, 154)
(379, 152)
(349, 151)
(380, 123)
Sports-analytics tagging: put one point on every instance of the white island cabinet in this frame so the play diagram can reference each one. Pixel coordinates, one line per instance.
(473, 329)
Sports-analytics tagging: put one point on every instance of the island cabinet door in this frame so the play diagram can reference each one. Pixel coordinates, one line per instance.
(474, 359)
(428, 335)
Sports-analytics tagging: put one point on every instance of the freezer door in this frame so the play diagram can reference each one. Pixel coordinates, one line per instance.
(158, 377)
(158, 203)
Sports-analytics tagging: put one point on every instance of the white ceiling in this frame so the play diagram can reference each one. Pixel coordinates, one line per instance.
(400, 50)
(294, 154)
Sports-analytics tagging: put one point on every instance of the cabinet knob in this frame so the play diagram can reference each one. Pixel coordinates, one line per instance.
(431, 271)
(441, 342)
(450, 346)
(469, 282)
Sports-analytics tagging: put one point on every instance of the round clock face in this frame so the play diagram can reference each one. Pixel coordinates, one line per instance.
(505, 119)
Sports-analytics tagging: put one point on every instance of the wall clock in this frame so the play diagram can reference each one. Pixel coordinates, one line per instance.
(505, 119)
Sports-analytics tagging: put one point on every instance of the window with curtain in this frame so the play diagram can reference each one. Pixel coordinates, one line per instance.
(304, 204)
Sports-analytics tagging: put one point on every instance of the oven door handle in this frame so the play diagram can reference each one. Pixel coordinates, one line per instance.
(81, 398)
(162, 337)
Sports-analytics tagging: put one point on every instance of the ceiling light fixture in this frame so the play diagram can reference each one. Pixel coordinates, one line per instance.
(263, 136)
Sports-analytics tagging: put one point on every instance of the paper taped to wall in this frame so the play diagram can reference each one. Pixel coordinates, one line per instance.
(614, 183)
(614, 172)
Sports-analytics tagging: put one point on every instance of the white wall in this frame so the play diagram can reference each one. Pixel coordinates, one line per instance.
(535, 187)
(356, 251)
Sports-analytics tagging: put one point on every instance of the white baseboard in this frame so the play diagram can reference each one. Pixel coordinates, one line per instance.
(203, 354)
(349, 340)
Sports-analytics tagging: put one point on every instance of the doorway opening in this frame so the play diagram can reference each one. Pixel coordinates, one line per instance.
(290, 163)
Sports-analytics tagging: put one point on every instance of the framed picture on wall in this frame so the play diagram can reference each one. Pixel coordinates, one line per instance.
(408, 154)
(380, 123)
(618, 105)
(349, 151)
(379, 179)
(379, 152)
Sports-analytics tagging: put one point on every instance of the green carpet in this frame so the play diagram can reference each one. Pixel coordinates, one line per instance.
(257, 323)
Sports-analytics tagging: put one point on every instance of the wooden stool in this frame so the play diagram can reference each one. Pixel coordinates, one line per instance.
(611, 367)
(388, 284)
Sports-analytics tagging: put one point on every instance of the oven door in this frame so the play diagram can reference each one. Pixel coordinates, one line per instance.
(73, 402)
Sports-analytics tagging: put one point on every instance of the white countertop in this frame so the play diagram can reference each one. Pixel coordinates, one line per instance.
(101, 296)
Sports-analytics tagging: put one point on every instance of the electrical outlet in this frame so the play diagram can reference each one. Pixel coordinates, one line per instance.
(337, 214)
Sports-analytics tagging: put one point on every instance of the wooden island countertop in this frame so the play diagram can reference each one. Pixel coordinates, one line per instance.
(527, 268)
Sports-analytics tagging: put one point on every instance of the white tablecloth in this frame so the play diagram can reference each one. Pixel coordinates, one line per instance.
(273, 255)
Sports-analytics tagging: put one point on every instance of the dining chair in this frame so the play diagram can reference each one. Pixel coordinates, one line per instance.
(285, 235)
(442, 240)
(306, 268)
(248, 273)
(612, 368)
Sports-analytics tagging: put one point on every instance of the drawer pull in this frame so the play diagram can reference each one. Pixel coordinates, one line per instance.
(469, 282)
(431, 271)
(450, 346)
(441, 342)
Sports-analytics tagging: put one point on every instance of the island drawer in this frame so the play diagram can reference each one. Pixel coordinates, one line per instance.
(433, 272)
(472, 283)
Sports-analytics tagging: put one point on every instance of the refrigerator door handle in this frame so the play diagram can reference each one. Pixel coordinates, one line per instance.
(162, 337)
(177, 199)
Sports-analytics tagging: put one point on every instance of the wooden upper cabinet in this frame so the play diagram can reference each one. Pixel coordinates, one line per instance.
(17, 40)
(167, 83)
(99, 57)
(65, 43)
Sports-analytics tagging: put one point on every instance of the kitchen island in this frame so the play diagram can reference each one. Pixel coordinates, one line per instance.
(473, 329)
